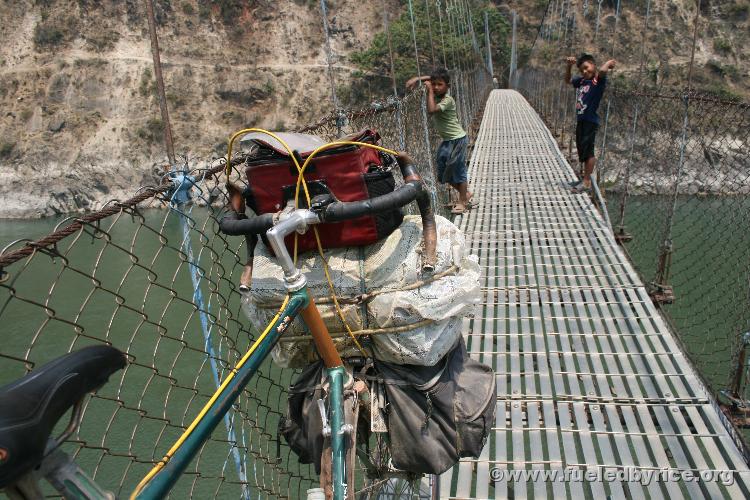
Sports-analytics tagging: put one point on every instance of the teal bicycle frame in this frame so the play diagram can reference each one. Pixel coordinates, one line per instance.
(299, 302)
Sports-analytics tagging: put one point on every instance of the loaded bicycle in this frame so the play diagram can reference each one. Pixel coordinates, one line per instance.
(354, 461)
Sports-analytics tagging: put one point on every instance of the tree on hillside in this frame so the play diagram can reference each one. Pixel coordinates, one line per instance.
(443, 39)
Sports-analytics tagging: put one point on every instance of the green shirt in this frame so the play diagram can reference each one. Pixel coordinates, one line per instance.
(446, 119)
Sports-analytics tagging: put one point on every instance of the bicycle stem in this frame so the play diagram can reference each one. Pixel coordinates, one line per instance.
(298, 220)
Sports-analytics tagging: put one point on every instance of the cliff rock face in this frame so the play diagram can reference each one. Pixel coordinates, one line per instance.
(80, 122)
(659, 44)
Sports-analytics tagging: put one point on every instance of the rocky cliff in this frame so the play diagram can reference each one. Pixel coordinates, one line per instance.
(80, 123)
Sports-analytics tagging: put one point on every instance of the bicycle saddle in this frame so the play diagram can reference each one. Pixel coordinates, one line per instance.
(31, 406)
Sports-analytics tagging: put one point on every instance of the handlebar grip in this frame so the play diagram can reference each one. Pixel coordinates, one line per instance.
(234, 224)
(341, 211)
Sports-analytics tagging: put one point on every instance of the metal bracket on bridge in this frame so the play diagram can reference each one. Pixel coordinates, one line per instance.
(734, 406)
(660, 293)
(622, 236)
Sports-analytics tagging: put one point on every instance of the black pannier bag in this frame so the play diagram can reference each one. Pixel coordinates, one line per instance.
(438, 414)
(302, 427)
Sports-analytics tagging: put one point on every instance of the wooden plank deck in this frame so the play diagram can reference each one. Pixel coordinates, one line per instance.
(589, 376)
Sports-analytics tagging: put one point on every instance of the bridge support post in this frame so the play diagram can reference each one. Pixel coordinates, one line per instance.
(659, 290)
(487, 43)
(160, 83)
(329, 61)
(513, 56)
(732, 403)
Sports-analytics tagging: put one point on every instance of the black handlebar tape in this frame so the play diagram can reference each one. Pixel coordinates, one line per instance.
(409, 170)
(234, 224)
(340, 211)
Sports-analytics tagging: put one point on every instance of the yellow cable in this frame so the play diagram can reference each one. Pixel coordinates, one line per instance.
(332, 145)
(301, 180)
(160, 465)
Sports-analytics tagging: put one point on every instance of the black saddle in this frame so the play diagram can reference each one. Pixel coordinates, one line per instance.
(31, 406)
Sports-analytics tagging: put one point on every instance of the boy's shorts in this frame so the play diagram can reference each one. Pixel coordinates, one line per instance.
(451, 161)
(585, 138)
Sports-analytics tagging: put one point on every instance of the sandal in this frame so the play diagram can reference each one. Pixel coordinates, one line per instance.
(469, 201)
(458, 209)
(580, 188)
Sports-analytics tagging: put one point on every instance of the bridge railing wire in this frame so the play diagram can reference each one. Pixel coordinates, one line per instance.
(155, 278)
(672, 156)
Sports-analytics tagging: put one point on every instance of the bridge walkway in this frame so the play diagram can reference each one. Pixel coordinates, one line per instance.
(589, 375)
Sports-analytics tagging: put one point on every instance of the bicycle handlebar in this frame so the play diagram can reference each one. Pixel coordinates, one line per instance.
(340, 211)
(326, 210)
(234, 224)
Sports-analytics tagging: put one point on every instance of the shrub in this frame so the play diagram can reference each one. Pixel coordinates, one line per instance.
(721, 91)
(376, 58)
(54, 31)
(739, 10)
(245, 98)
(176, 99)
(229, 9)
(47, 36)
(147, 86)
(204, 11)
(722, 45)
(152, 132)
(102, 40)
(6, 149)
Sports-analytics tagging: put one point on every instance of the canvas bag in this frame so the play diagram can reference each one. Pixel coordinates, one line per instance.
(438, 414)
(302, 426)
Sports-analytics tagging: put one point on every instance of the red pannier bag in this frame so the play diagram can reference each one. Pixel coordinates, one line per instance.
(349, 173)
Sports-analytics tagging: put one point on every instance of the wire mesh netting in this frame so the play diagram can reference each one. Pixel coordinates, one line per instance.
(127, 280)
(672, 156)
(153, 277)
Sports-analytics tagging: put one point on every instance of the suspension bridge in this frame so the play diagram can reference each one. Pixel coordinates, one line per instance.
(589, 374)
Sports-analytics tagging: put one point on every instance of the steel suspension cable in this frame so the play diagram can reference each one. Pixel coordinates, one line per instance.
(429, 31)
(442, 34)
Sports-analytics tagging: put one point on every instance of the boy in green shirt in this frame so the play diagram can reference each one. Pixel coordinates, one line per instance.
(451, 155)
